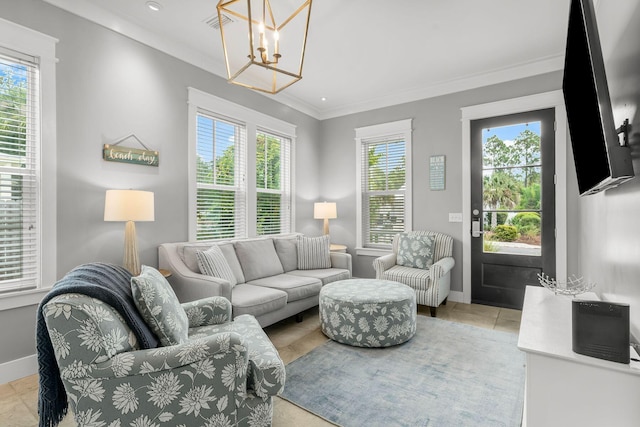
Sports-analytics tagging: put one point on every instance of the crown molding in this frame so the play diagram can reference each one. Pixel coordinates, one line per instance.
(164, 44)
(523, 70)
(187, 54)
(158, 41)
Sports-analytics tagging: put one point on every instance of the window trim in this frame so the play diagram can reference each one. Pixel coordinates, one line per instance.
(254, 122)
(400, 127)
(30, 42)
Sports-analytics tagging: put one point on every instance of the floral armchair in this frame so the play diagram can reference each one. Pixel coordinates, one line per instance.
(430, 279)
(225, 374)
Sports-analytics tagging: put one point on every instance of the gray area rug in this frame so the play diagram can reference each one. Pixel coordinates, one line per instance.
(448, 374)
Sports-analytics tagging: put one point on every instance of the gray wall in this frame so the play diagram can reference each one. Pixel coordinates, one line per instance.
(609, 243)
(437, 129)
(109, 86)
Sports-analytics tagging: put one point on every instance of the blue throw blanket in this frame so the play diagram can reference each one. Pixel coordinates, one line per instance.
(106, 282)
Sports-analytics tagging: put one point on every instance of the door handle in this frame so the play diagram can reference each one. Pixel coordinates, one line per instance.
(475, 228)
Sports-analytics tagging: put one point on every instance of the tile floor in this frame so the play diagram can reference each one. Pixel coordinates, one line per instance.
(18, 399)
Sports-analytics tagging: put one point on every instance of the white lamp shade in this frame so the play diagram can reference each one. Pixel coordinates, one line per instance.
(129, 205)
(324, 210)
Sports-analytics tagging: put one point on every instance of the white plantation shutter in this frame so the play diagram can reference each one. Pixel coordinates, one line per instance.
(273, 183)
(240, 173)
(220, 178)
(383, 189)
(19, 198)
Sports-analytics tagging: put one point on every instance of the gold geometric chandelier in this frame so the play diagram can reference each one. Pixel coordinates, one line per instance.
(267, 54)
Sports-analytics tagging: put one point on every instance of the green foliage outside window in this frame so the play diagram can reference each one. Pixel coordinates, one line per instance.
(216, 214)
(13, 117)
(268, 177)
(13, 144)
(512, 182)
(216, 194)
(505, 233)
(218, 190)
(268, 162)
(384, 199)
(527, 223)
(530, 197)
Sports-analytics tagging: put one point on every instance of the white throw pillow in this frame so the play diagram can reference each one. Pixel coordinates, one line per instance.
(313, 252)
(213, 263)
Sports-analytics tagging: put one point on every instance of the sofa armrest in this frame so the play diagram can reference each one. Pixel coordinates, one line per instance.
(383, 263)
(208, 311)
(341, 260)
(442, 267)
(190, 286)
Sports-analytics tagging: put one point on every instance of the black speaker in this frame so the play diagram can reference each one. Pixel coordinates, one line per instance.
(601, 329)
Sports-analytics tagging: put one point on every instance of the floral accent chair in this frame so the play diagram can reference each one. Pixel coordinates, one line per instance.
(422, 260)
(224, 374)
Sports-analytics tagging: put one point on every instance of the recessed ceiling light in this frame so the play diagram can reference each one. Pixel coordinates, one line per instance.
(155, 6)
(323, 99)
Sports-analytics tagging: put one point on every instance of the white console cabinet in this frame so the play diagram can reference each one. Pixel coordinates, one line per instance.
(567, 389)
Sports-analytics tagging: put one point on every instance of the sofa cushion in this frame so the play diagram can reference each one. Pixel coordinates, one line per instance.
(313, 252)
(287, 251)
(159, 306)
(258, 258)
(188, 255)
(415, 251)
(229, 252)
(326, 275)
(296, 287)
(256, 300)
(213, 263)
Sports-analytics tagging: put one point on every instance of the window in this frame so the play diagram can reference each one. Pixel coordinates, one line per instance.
(384, 184)
(241, 162)
(221, 191)
(27, 164)
(272, 184)
(18, 193)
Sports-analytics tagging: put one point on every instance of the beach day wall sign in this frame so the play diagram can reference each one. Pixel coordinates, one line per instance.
(117, 153)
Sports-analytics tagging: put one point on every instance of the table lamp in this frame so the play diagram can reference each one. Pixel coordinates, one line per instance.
(326, 211)
(129, 206)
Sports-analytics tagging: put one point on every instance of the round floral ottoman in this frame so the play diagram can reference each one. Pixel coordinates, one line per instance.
(368, 312)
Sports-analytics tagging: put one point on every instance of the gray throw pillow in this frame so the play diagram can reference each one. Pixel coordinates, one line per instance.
(313, 252)
(415, 251)
(213, 263)
(258, 258)
(287, 252)
(159, 307)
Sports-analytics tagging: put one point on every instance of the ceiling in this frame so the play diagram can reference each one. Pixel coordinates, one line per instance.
(365, 54)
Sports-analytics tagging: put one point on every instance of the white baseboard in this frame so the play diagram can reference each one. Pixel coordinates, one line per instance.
(455, 296)
(19, 368)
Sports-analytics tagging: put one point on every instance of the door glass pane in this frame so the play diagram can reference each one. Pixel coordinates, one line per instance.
(511, 179)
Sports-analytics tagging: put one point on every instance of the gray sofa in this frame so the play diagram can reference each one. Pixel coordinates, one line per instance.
(270, 285)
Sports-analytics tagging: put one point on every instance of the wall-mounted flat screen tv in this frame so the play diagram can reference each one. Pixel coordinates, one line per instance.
(601, 161)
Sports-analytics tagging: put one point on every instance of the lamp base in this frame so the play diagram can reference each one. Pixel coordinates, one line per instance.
(131, 261)
(325, 229)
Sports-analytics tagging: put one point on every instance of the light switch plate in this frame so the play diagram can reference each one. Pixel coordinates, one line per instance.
(455, 217)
